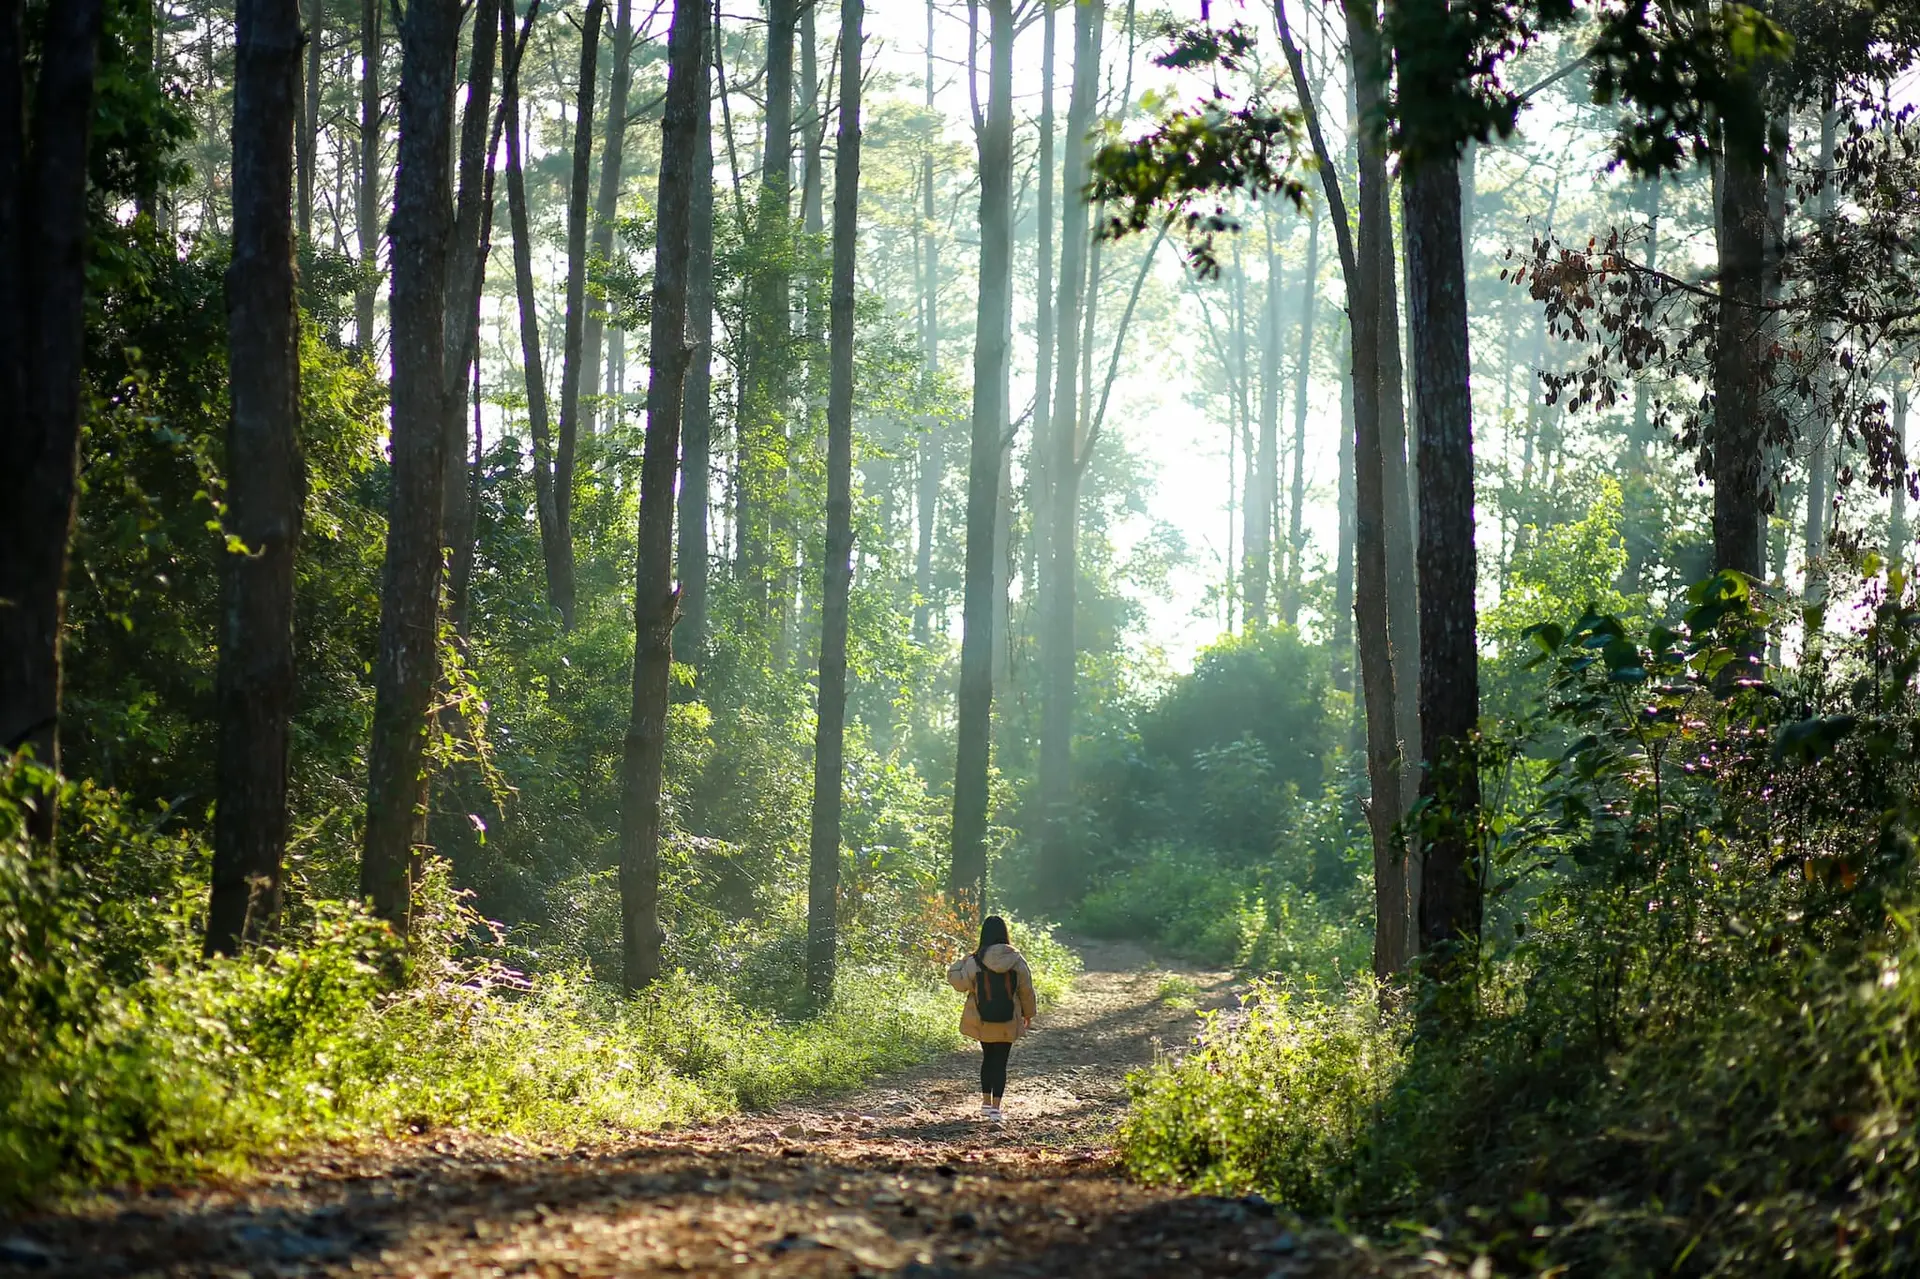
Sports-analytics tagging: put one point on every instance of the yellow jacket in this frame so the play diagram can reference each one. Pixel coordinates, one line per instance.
(963, 975)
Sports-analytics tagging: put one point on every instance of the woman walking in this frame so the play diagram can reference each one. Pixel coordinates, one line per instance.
(1000, 1007)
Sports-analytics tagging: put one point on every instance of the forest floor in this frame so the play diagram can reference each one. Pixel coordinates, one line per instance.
(900, 1179)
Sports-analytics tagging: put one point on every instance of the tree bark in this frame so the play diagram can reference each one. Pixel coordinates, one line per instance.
(696, 444)
(767, 374)
(1449, 901)
(1059, 656)
(367, 196)
(553, 548)
(560, 569)
(265, 483)
(480, 128)
(1739, 495)
(308, 135)
(1899, 536)
(1039, 493)
(1340, 625)
(1265, 471)
(606, 204)
(1820, 456)
(656, 601)
(967, 877)
(1302, 376)
(406, 666)
(43, 258)
(1381, 670)
(823, 894)
(930, 471)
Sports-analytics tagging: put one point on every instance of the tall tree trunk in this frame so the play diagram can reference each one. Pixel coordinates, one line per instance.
(767, 375)
(307, 138)
(1403, 591)
(930, 470)
(1265, 472)
(1039, 496)
(480, 128)
(1899, 536)
(43, 256)
(1383, 666)
(407, 664)
(265, 483)
(1449, 898)
(367, 194)
(1641, 505)
(1058, 654)
(606, 204)
(1256, 514)
(554, 553)
(823, 893)
(1302, 376)
(1739, 496)
(967, 878)
(696, 445)
(656, 601)
(560, 571)
(1340, 625)
(1820, 456)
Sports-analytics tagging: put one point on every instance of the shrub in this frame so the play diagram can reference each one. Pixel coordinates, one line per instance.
(1273, 1098)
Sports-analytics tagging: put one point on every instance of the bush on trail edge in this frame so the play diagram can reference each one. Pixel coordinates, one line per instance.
(1689, 1041)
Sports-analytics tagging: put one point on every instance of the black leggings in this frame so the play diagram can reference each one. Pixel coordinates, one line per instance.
(993, 1068)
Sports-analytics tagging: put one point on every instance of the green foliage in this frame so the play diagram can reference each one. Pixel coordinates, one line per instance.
(125, 1056)
(1689, 1045)
(1272, 1098)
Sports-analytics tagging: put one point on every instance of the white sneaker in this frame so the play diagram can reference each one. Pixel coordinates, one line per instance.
(993, 1115)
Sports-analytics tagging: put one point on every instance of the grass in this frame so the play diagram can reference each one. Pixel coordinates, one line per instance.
(127, 1058)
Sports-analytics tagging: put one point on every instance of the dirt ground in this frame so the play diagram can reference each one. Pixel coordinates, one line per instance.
(900, 1179)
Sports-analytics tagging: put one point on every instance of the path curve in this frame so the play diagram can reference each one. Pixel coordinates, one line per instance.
(898, 1180)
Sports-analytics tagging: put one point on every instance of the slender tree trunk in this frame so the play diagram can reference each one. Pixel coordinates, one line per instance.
(1256, 514)
(696, 445)
(532, 353)
(407, 664)
(1739, 496)
(1899, 536)
(1265, 472)
(656, 601)
(1059, 656)
(265, 483)
(43, 255)
(932, 460)
(1820, 456)
(1403, 591)
(1449, 898)
(480, 129)
(1383, 664)
(1340, 625)
(560, 569)
(606, 204)
(368, 192)
(768, 359)
(1302, 376)
(967, 879)
(1039, 494)
(307, 138)
(824, 877)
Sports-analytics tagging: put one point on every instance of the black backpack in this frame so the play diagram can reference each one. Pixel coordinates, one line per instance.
(994, 993)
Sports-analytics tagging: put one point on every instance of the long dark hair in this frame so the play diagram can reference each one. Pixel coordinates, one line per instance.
(993, 932)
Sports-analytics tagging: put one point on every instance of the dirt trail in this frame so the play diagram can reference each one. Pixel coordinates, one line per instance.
(897, 1180)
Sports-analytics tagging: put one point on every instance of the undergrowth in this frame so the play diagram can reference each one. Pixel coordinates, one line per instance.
(125, 1056)
(1686, 1042)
